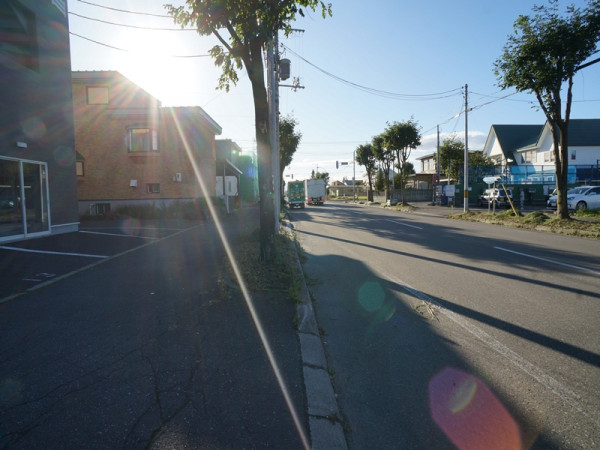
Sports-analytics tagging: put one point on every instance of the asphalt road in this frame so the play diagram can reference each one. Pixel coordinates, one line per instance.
(442, 332)
(125, 335)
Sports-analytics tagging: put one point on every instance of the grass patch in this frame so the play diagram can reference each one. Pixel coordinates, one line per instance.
(582, 223)
(279, 275)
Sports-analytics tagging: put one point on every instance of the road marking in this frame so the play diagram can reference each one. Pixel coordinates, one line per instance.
(17, 249)
(119, 234)
(529, 368)
(549, 260)
(405, 224)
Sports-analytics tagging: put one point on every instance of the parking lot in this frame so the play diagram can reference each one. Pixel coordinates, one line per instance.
(30, 264)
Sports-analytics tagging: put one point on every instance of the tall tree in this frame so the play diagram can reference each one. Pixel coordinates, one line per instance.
(365, 157)
(320, 175)
(244, 29)
(478, 158)
(380, 180)
(544, 52)
(401, 178)
(401, 138)
(452, 156)
(386, 157)
(289, 139)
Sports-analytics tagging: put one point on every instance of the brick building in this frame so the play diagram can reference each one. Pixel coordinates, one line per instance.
(38, 188)
(133, 151)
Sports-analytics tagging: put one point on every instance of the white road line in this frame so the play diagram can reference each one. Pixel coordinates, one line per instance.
(532, 370)
(17, 249)
(405, 224)
(549, 260)
(118, 234)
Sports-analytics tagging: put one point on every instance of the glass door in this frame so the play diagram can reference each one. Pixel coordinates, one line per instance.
(11, 219)
(24, 208)
(35, 193)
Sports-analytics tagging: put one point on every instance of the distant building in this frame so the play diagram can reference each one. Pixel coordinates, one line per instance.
(38, 187)
(133, 151)
(527, 151)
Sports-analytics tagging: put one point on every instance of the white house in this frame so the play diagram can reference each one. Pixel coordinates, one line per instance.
(527, 150)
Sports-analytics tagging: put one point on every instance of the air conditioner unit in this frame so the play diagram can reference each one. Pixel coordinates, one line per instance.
(132, 183)
(178, 177)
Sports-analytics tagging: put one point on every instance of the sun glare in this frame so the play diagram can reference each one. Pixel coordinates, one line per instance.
(154, 65)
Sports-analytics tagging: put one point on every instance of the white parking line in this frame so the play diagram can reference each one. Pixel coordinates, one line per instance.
(118, 234)
(17, 249)
(549, 260)
(405, 224)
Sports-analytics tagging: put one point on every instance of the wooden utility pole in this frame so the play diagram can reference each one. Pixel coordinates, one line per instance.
(466, 170)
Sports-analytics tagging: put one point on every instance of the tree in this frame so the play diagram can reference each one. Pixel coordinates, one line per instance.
(401, 178)
(244, 29)
(386, 158)
(401, 139)
(452, 156)
(289, 140)
(478, 158)
(319, 175)
(365, 157)
(544, 52)
(380, 180)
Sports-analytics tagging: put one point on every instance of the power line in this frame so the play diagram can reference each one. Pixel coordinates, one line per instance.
(125, 11)
(130, 51)
(130, 26)
(378, 92)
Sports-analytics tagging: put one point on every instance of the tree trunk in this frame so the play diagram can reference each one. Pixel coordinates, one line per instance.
(561, 138)
(263, 144)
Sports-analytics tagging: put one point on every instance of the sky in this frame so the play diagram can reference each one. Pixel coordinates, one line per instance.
(370, 64)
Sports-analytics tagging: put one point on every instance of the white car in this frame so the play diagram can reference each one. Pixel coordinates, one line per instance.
(584, 197)
(551, 203)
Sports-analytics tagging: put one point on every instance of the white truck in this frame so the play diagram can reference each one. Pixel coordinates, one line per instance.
(315, 191)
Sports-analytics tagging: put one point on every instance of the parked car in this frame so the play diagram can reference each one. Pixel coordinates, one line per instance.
(497, 195)
(584, 197)
(552, 199)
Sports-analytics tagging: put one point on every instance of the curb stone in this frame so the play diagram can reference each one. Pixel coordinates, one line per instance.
(320, 396)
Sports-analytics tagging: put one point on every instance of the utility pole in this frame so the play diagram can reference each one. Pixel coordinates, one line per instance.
(273, 97)
(466, 170)
(354, 175)
(437, 166)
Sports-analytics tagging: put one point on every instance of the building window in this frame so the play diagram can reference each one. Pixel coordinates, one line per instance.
(153, 188)
(549, 156)
(142, 140)
(19, 35)
(100, 209)
(79, 168)
(97, 95)
(573, 155)
(528, 157)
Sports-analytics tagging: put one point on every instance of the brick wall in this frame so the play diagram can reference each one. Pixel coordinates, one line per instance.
(185, 141)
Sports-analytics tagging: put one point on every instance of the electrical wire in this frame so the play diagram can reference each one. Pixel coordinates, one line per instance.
(130, 51)
(378, 92)
(130, 26)
(125, 11)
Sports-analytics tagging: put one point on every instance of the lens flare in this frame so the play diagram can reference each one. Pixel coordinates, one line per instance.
(64, 156)
(246, 293)
(469, 413)
(371, 296)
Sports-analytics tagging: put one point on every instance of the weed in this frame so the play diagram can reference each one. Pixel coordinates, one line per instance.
(331, 372)
(279, 275)
(579, 225)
